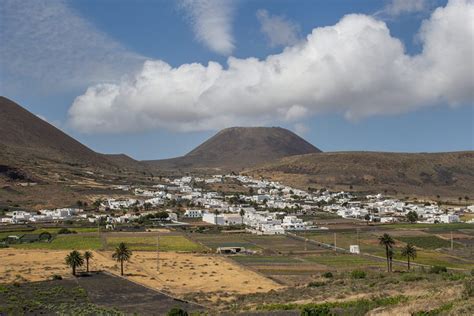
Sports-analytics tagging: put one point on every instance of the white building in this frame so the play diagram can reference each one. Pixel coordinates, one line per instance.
(193, 213)
(449, 218)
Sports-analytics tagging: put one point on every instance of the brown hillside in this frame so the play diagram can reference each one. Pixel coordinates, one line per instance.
(398, 173)
(26, 135)
(240, 147)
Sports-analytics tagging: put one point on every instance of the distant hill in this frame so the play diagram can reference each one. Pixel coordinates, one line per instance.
(240, 147)
(428, 174)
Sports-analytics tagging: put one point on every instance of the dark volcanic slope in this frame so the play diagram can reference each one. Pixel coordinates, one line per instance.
(25, 137)
(25, 133)
(240, 147)
(417, 173)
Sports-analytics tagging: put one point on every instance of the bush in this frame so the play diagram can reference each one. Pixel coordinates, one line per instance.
(454, 276)
(472, 272)
(316, 311)
(175, 311)
(358, 274)
(316, 284)
(411, 278)
(56, 277)
(329, 275)
(468, 289)
(438, 269)
(65, 231)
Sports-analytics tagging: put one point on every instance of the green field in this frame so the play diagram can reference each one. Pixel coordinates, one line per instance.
(265, 260)
(52, 231)
(345, 261)
(166, 243)
(428, 242)
(431, 227)
(65, 242)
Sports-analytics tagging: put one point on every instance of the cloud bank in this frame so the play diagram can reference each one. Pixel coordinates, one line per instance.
(354, 67)
(277, 29)
(71, 52)
(211, 21)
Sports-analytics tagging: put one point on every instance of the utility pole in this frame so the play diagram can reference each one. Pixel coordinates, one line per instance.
(358, 243)
(335, 242)
(305, 242)
(452, 243)
(158, 252)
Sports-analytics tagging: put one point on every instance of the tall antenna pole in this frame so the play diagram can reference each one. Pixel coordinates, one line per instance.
(158, 252)
(452, 243)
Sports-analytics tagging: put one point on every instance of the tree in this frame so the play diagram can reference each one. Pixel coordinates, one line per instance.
(412, 216)
(387, 241)
(88, 255)
(367, 218)
(74, 259)
(242, 213)
(121, 254)
(409, 252)
(391, 252)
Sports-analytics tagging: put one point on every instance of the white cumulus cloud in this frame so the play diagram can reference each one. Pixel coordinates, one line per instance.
(211, 21)
(355, 68)
(277, 29)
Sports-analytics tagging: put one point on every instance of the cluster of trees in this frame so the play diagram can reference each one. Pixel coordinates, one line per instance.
(409, 251)
(75, 259)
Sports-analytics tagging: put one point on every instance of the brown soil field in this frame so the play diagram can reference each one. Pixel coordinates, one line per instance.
(179, 273)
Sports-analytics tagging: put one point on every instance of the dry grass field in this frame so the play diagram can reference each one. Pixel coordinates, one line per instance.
(179, 273)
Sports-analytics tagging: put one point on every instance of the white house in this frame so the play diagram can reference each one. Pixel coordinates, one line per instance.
(449, 218)
(193, 213)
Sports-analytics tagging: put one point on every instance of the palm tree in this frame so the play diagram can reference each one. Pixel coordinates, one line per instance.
(242, 214)
(74, 259)
(409, 252)
(391, 252)
(121, 254)
(88, 255)
(387, 241)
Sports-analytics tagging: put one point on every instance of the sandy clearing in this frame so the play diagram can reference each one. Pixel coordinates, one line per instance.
(179, 273)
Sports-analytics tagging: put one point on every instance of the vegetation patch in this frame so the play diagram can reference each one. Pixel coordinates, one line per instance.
(428, 242)
(65, 242)
(355, 307)
(165, 243)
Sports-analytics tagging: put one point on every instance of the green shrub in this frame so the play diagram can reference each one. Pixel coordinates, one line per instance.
(175, 311)
(411, 277)
(358, 274)
(468, 288)
(472, 272)
(316, 311)
(65, 231)
(438, 269)
(316, 284)
(454, 276)
(56, 277)
(329, 275)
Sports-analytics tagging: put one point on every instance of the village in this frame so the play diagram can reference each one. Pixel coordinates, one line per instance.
(267, 207)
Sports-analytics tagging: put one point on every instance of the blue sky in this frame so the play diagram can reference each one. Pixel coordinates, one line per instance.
(56, 50)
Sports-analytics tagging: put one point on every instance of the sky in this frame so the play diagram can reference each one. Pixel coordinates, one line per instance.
(153, 79)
